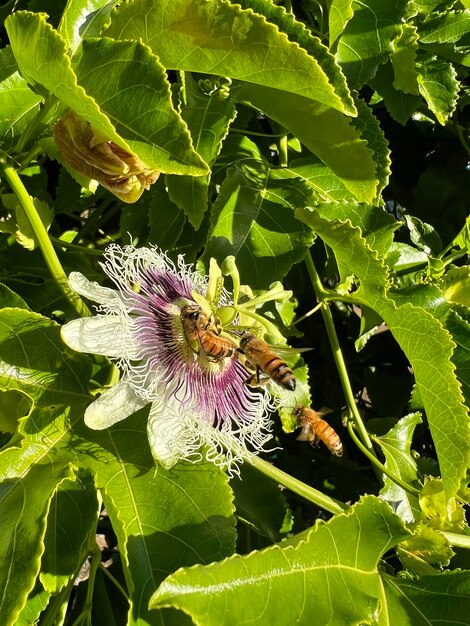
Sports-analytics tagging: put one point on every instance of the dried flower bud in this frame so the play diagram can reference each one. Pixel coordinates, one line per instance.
(88, 152)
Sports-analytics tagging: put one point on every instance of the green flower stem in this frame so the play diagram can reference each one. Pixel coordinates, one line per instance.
(85, 615)
(47, 249)
(322, 297)
(297, 486)
(396, 479)
(269, 326)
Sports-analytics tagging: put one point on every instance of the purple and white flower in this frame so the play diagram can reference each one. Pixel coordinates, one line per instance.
(196, 404)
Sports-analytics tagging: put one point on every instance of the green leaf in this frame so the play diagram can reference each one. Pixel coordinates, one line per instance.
(339, 556)
(448, 27)
(50, 68)
(253, 219)
(425, 548)
(260, 503)
(156, 134)
(208, 117)
(403, 60)
(70, 532)
(13, 406)
(163, 519)
(318, 176)
(456, 285)
(396, 446)
(367, 38)
(18, 104)
(33, 360)
(9, 298)
(83, 19)
(432, 599)
(324, 131)
(400, 105)
(223, 39)
(24, 503)
(297, 32)
(439, 512)
(35, 605)
(423, 235)
(459, 329)
(341, 11)
(376, 225)
(438, 85)
(368, 125)
(166, 221)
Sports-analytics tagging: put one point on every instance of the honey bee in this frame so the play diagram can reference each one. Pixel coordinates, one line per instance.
(260, 356)
(202, 329)
(315, 428)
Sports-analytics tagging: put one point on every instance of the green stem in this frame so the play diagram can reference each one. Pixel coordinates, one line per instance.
(283, 151)
(40, 232)
(115, 582)
(60, 243)
(297, 486)
(322, 297)
(396, 479)
(242, 131)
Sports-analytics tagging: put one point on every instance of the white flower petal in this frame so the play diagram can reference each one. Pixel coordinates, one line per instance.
(167, 432)
(113, 406)
(92, 290)
(106, 335)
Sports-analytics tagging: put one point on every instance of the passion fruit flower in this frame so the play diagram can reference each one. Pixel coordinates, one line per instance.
(195, 401)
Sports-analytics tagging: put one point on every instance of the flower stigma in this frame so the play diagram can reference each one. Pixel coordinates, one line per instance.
(200, 404)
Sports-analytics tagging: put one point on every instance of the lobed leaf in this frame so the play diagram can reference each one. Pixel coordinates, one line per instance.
(253, 219)
(18, 104)
(70, 532)
(447, 27)
(438, 85)
(32, 359)
(24, 504)
(396, 446)
(324, 131)
(208, 117)
(296, 31)
(403, 60)
(329, 573)
(444, 598)
(128, 83)
(366, 41)
(221, 38)
(163, 519)
(83, 19)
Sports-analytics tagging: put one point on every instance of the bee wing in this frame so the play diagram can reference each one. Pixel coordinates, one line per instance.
(288, 350)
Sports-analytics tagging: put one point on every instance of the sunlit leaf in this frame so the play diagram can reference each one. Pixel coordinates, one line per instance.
(367, 38)
(438, 85)
(221, 38)
(398, 460)
(445, 28)
(341, 556)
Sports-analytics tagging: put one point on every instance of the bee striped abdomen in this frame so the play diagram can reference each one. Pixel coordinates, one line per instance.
(280, 372)
(314, 428)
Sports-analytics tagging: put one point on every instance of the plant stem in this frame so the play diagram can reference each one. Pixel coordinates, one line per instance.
(283, 151)
(396, 479)
(114, 581)
(322, 297)
(40, 232)
(297, 486)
